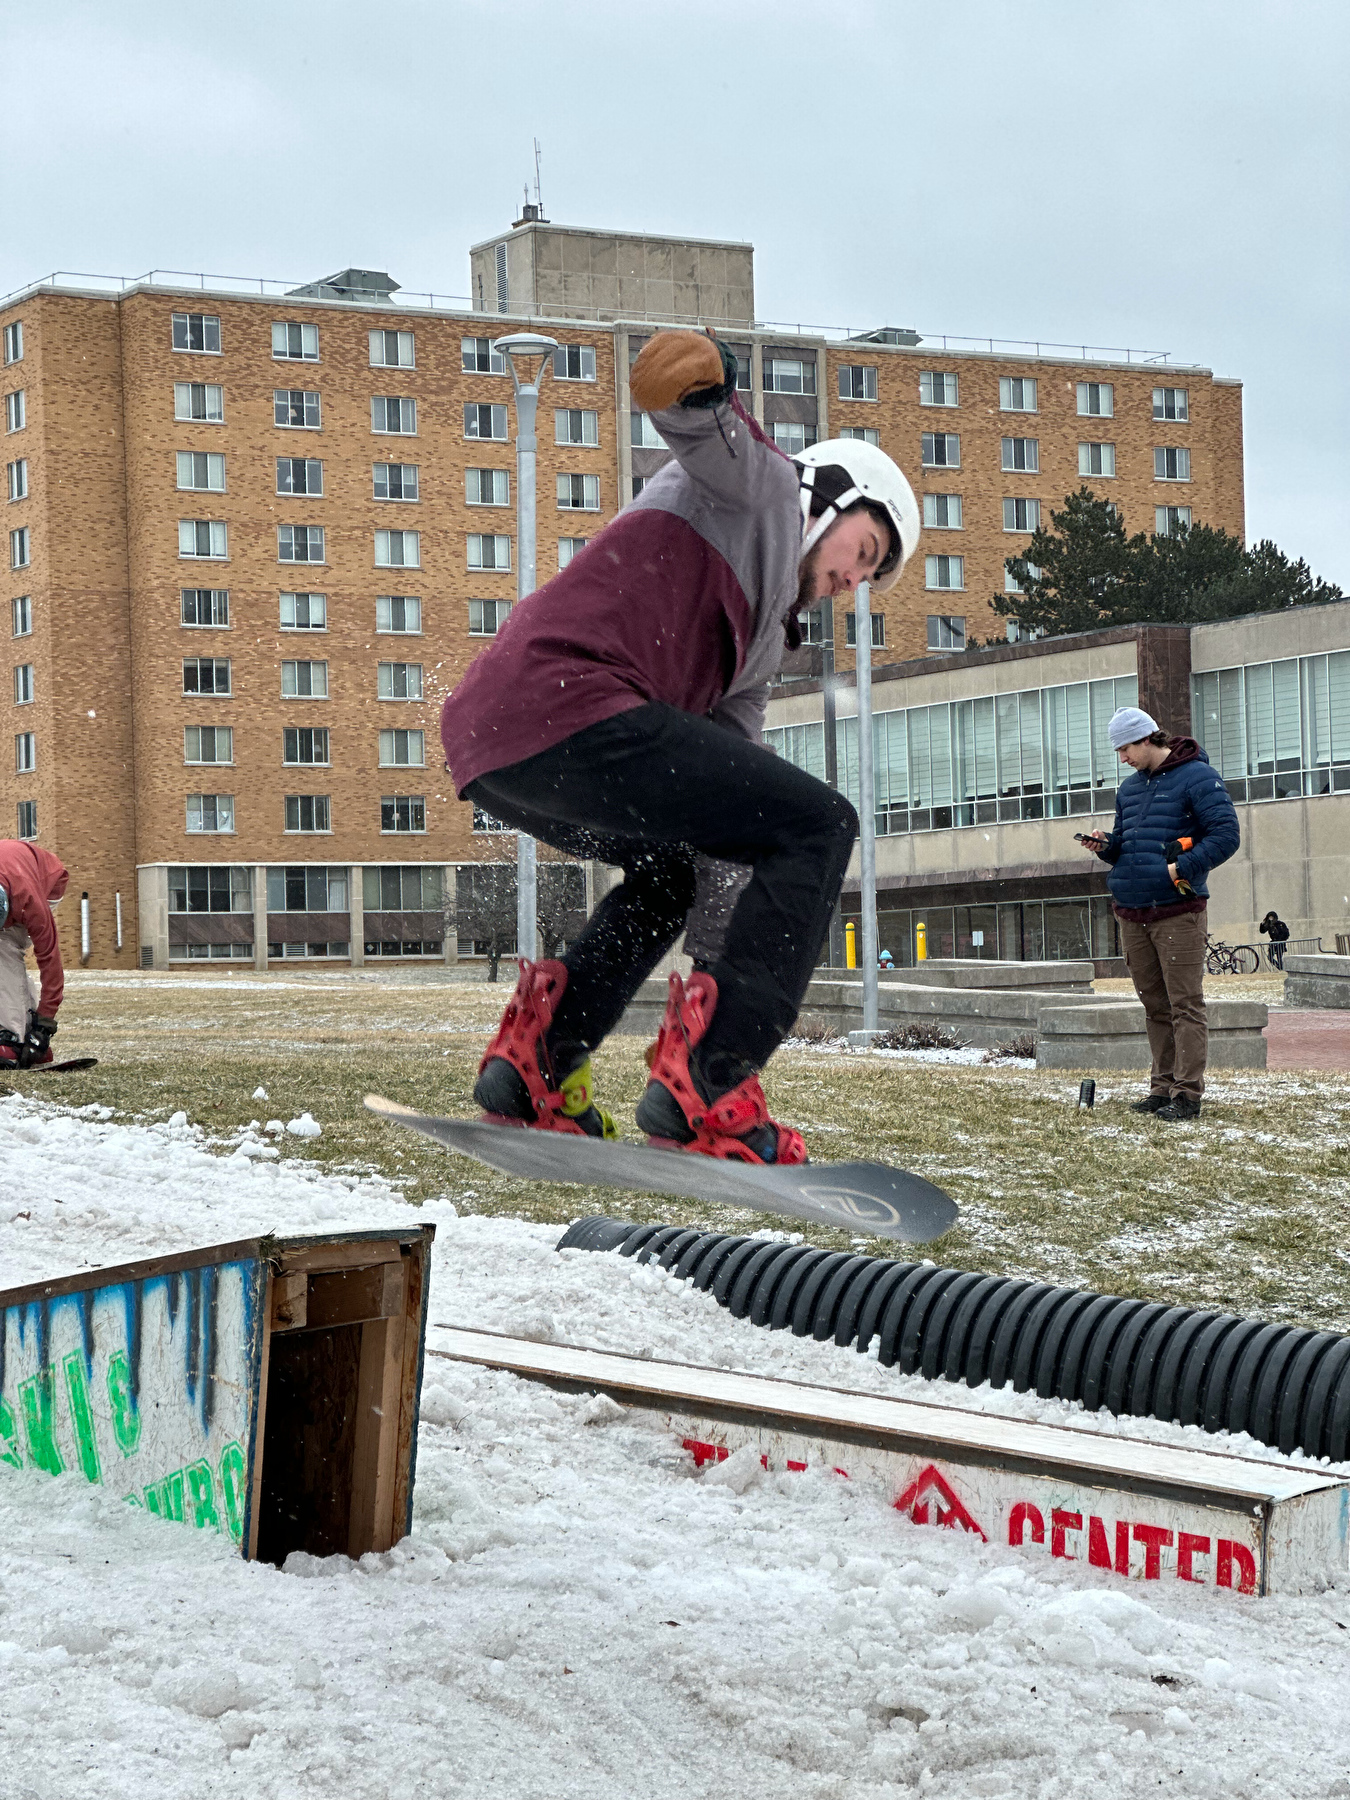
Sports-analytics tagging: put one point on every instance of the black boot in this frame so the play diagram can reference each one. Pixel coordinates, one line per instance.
(1178, 1109)
(1151, 1103)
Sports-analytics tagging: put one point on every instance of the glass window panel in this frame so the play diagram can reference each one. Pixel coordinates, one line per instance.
(1288, 745)
(1078, 733)
(1230, 757)
(920, 757)
(1009, 744)
(1033, 762)
(940, 748)
(1338, 704)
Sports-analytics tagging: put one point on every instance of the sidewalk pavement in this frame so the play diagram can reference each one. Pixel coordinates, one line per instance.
(1308, 1040)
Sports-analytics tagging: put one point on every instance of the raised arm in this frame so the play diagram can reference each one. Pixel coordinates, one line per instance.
(687, 382)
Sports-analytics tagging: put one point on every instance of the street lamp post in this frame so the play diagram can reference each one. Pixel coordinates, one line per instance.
(526, 345)
(867, 808)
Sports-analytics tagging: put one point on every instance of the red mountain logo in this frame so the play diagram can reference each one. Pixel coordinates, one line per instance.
(930, 1486)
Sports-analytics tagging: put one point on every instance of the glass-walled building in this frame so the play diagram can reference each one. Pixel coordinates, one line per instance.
(987, 762)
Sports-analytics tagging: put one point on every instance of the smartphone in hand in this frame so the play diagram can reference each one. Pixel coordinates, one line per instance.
(1093, 839)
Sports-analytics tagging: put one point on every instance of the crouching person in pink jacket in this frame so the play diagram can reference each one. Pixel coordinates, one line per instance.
(31, 882)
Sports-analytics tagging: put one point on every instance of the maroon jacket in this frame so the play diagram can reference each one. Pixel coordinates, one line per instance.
(683, 598)
(33, 878)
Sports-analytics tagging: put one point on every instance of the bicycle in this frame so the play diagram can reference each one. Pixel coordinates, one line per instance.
(1230, 959)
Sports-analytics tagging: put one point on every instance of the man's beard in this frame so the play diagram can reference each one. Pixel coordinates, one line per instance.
(806, 579)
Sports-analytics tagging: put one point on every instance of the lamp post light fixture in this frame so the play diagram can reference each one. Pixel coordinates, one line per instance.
(532, 354)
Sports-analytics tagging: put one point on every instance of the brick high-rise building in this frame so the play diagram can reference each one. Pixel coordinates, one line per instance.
(254, 539)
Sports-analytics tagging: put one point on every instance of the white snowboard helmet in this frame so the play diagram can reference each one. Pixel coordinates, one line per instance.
(843, 471)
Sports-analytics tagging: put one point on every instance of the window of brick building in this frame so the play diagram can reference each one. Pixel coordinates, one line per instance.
(789, 375)
(396, 481)
(210, 812)
(304, 744)
(16, 475)
(644, 436)
(489, 551)
(574, 362)
(1021, 515)
(579, 493)
(1096, 399)
(938, 388)
(1172, 464)
(14, 342)
(201, 470)
(300, 544)
(25, 752)
(403, 812)
(23, 684)
(568, 548)
(202, 401)
(1171, 403)
(199, 332)
(308, 812)
(944, 571)
(857, 381)
(399, 613)
(479, 358)
(292, 342)
(946, 632)
(296, 409)
(792, 436)
(398, 550)
(878, 630)
(487, 487)
(203, 538)
(398, 681)
(1097, 459)
(392, 350)
(16, 410)
(206, 675)
(1169, 520)
(402, 749)
(21, 615)
(940, 450)
(573, 425)
(205, 607)
(1016, 393)
(208, 744)
(20, 548)
(299, 475)
(304, 680)
(861, 434)
(393, 415)
(942, 512)
(27, 819)
(486, 617)
(304, 612)
(1021, 454)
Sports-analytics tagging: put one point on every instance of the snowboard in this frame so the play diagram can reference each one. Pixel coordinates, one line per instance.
(69, 1067)
(859, 1196)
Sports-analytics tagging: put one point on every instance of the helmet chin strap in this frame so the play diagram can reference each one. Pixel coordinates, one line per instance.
(814, 530)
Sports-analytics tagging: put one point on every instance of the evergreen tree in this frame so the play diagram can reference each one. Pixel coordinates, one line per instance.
(1082, 572)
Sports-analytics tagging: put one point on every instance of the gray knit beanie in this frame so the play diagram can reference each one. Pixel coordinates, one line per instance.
(1127, 725)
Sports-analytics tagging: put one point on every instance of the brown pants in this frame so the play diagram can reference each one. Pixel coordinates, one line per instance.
(1166, 961)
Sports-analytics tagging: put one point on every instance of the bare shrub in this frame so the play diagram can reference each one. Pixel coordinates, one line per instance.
(926, 1034)
(1024, 1045)
(812, 1029)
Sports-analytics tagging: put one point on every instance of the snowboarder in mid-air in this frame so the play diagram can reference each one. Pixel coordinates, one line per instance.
(31, 882)
(618, 716)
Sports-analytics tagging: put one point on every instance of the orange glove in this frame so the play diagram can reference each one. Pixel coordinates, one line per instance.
(673, 365)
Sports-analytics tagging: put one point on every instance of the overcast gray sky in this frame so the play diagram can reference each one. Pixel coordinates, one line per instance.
(1164, 176)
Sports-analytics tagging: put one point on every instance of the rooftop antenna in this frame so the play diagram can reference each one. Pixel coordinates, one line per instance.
(538, 197)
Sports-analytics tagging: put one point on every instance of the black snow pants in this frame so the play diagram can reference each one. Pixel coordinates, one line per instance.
(646, 791)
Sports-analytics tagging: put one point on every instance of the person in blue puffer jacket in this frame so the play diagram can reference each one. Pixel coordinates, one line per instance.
(1161, 903)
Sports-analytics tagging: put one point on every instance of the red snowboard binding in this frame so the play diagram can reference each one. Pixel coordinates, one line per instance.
(736, 1125)
(518, 1083)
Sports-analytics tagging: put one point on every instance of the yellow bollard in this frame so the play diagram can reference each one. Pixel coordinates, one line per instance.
(850, 945)
(921, 942)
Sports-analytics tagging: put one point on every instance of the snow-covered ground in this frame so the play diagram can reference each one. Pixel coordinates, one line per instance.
(578, 1612)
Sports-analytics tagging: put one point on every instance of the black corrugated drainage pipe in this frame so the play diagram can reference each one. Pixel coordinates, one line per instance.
(1287, 1386)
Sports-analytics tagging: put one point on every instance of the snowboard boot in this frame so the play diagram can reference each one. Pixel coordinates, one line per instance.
(10, 1047)
(683, 1109)
(525, 1080)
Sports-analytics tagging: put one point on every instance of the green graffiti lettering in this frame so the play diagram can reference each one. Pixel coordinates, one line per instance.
(233, 1470)
(165, 1498)
(201, 1496)
(82, 1416)
(37, 1399)
(126, 1418)
(9, 1438)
